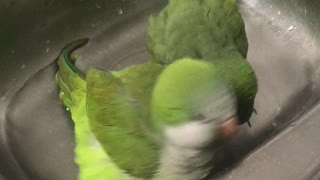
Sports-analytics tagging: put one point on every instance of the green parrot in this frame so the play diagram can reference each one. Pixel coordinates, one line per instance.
(147, 121)
(210, 30)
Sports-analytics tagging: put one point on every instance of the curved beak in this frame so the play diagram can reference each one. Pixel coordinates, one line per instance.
(229, 128)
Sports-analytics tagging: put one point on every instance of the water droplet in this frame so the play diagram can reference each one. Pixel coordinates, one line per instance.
(274, 123)
(120, 11)
(47, 41)
(230, 177)
(291, 28)
(98, 5)
(67, 109)
(22, 66)
(47, 50)
(12, 51)
(279, 12)
(305, 9)
(93, 25)
(270, 6)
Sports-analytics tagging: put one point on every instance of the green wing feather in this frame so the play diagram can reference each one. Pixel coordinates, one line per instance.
(90, 157)
(118, 109)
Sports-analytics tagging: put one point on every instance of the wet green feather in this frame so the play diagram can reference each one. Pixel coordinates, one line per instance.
(112, 107)
(118, 109)
(210, 30)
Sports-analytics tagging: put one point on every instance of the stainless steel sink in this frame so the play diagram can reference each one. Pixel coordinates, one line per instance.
(36, 139)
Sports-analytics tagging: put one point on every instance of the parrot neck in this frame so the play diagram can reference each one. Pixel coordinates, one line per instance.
(186, 163)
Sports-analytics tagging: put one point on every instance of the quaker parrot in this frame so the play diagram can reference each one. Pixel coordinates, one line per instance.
(147, 121)
(210, 30)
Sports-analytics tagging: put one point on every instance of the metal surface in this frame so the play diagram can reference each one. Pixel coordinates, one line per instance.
(36, 134)
(294, 154)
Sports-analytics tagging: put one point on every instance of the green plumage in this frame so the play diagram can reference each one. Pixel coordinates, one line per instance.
(173, 104)
(119, 116)
(116, 106)
(210, 30)
(118, 109)
(125, 113)
(92, 160)
(200, 29)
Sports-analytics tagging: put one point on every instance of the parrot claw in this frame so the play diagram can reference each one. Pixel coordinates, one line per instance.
(249, 124)
(255, 111)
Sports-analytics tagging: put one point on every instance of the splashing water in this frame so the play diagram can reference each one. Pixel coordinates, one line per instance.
(291, 28)
(22, 66)
(120, 11)
(98, 6)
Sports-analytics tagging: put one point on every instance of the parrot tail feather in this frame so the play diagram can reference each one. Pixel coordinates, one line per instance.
(65, 58)
(69, 77)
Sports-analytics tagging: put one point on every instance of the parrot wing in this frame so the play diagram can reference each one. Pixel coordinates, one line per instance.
(118, 110)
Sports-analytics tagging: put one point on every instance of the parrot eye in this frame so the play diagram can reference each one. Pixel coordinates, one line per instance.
(199, 117)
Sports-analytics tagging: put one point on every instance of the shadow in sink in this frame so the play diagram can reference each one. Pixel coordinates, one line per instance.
(39, 130)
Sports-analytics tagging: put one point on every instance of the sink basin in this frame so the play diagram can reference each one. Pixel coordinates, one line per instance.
(36, 133)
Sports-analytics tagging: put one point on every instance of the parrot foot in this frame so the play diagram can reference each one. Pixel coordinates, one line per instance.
(255, 111)
(249, 124)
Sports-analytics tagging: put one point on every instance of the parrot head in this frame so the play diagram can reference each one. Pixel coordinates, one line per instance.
(192, 106)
